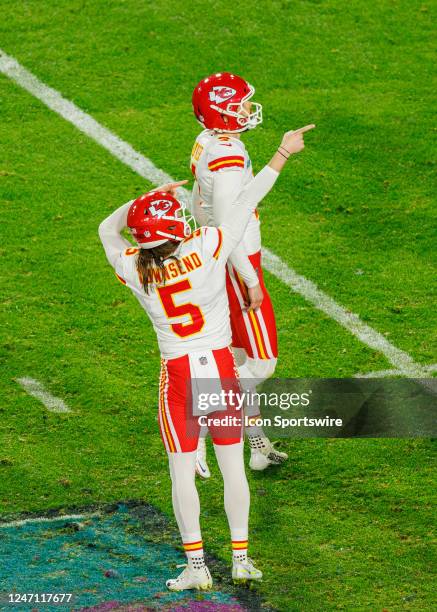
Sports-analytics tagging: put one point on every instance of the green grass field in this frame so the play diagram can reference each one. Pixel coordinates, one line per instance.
(345, 524)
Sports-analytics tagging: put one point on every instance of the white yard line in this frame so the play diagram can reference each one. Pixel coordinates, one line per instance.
(426, 371)
(309, 290)
(123, 151)
(47, 519)
(36, 389)
(379, 374)
(84, 122)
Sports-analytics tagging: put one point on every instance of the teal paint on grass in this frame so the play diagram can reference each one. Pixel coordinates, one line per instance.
(64, 556)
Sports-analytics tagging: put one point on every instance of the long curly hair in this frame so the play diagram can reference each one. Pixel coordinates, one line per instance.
(153, 259)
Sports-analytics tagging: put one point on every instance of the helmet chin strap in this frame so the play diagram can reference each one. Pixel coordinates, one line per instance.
(151, 245)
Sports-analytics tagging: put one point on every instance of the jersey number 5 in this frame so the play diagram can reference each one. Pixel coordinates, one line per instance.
(197, 322)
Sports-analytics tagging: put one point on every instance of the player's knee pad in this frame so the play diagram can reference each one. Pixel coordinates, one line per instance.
(261, 369)
(182, 468)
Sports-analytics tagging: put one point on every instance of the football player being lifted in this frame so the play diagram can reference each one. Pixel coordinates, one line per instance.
(179, 278)
(221, 166)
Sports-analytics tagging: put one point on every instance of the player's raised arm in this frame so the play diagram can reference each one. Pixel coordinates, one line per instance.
(292, 142)
(110, 233)
(233, 227)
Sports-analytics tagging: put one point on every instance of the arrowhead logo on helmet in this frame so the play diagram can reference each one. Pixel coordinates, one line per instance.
(159, 208)
(220, 94)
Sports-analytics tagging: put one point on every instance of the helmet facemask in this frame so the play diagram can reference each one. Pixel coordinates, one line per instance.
(182, 216)
(190, 223)
(248, 121)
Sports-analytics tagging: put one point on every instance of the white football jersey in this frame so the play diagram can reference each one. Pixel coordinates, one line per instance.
(189, 311)
(213, 152)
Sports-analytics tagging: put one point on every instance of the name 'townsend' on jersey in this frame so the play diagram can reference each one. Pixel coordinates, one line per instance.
(189, 308)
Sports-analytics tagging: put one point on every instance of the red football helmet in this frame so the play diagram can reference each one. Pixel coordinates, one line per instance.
(156, 217)
(224, 94)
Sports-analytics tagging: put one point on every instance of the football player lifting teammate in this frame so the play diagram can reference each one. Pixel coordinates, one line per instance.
(179, 278)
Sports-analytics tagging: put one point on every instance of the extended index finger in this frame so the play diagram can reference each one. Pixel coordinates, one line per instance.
(178, 184)
(302, 130)
(169, 186)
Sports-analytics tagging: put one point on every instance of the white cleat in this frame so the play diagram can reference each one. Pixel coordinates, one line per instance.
(242, 572)
(201, 465)
(261, 458)
(199, 579)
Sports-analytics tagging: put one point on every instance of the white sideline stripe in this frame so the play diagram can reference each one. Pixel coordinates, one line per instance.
(36, 389)
(379, 374)
(145, 168)
(84, 122)
(46, 519)
(309, 290)
(383, 373)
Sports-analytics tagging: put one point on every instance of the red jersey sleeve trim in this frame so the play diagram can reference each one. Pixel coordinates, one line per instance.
(219, 245)
(120, 278)
(226, 162)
